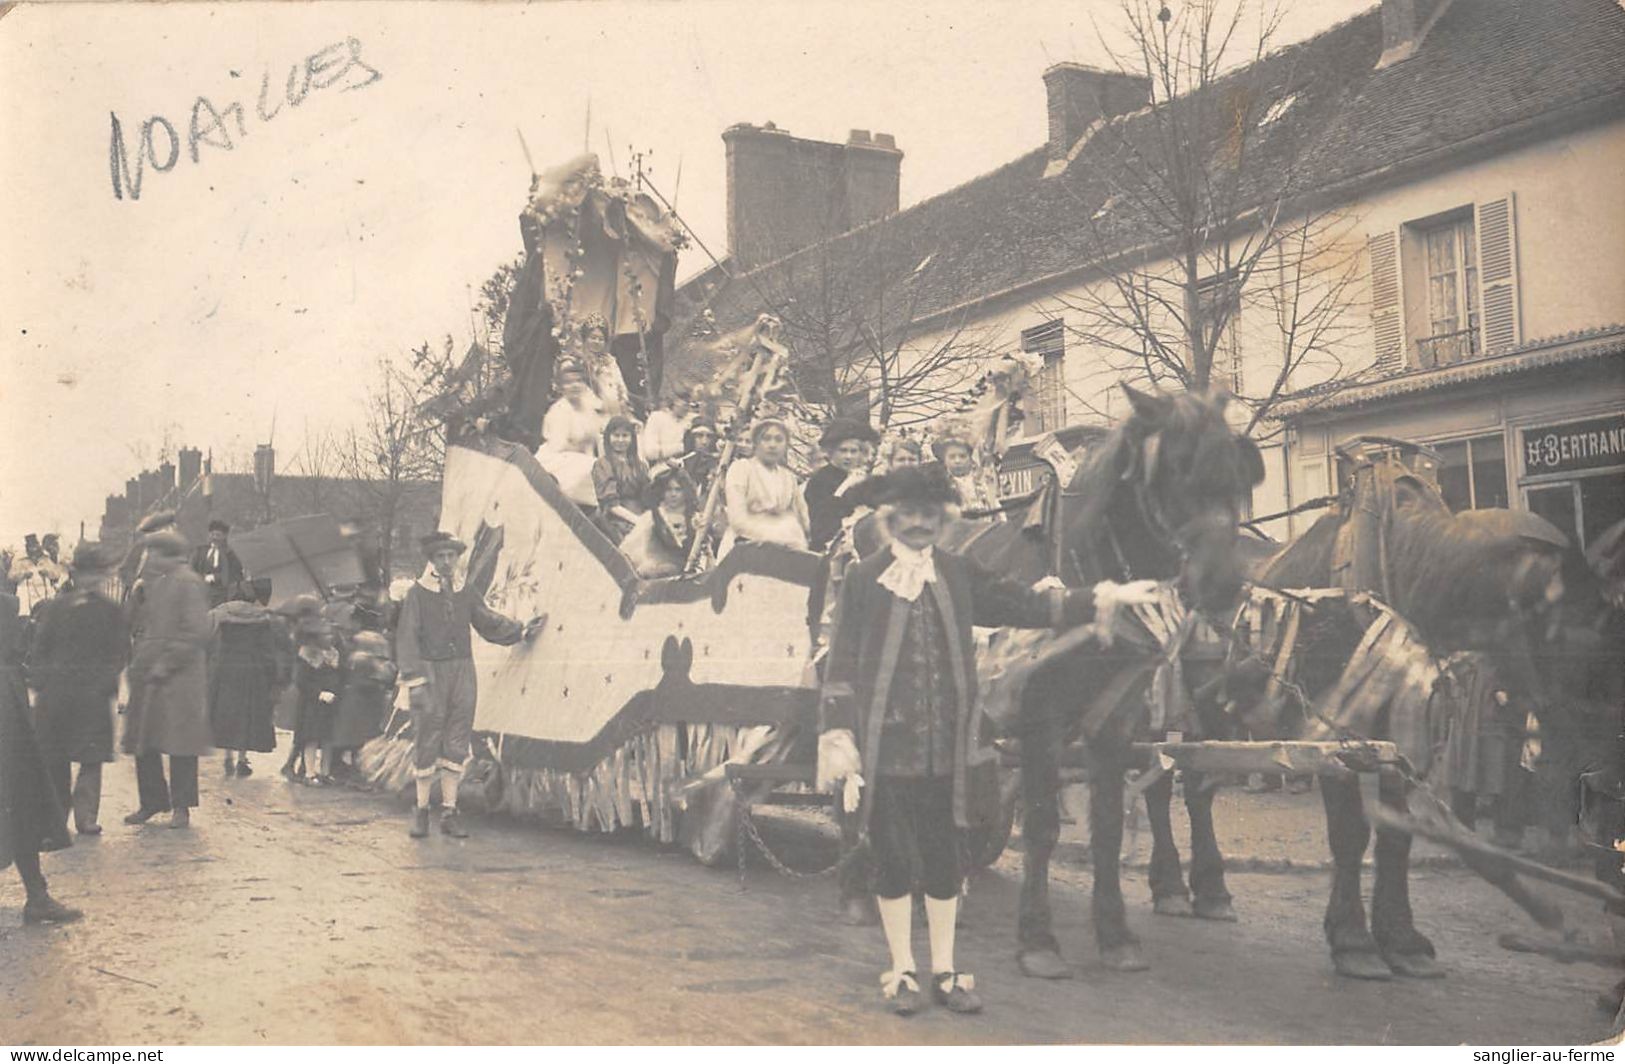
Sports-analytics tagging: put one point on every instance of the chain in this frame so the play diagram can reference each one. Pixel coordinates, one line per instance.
(747, 831)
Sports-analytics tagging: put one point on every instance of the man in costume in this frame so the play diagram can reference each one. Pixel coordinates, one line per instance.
(218, 564)
(899, 722)
(435, 652)
(79, 649)
(827, 505)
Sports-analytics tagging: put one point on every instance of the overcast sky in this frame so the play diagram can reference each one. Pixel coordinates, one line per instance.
(260, 283)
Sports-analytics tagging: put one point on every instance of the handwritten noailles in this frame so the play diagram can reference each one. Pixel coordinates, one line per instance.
(337, 65)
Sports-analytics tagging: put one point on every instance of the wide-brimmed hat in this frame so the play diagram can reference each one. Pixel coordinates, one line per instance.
(940, 445)
(153, 522)
(842, 429)
(441, 541)
(165, 541)
(218, 525)
(928, 482)
(90, 558)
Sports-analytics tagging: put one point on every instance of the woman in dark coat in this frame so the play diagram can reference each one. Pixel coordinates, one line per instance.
(78, 651)
(32, 818)
(243, 677)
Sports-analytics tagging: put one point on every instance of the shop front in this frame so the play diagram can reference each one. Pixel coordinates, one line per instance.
(1541, 430)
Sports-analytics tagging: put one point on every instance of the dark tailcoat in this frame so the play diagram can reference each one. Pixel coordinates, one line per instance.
(871, 633)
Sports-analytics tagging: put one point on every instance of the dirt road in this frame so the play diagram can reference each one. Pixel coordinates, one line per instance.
(292, 915)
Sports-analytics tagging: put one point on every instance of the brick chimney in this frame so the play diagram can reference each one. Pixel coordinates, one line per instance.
(1404, 24)
(786, 193)
(1078, 96)
(191, 466)
(132, 494)
(151, 490)
(264, 467)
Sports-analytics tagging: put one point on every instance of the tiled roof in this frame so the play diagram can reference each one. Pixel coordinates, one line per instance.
(1486, 66)
(1569, 348)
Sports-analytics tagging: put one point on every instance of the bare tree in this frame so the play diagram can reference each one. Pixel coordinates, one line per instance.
(849, 311)
(318, 467)
(390, 451)
(1199, 214)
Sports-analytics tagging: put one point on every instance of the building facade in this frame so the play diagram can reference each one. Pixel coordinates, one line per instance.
(1467, 152)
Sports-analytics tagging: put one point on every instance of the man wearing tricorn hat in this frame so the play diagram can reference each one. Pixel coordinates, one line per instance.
(435, 653)
(827, 507)
(899, 722)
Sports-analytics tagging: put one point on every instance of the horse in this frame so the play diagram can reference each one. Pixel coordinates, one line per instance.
(1482, 582)
(1157, 498)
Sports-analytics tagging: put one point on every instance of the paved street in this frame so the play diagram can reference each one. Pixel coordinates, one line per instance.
(290, 915)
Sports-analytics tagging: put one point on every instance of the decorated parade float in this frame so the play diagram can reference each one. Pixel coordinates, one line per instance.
(667, 705)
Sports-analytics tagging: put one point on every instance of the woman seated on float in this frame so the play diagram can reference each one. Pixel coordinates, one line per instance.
(620, 478)
(660, 540)
(604, 374)
(570, 435)
(764, 501)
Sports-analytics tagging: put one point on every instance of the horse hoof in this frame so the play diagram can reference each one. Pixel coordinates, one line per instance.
(1215, 909)
(1044, 964)
(1124, 958)
(1360, 966)
(1414, 965)
(1172, 905)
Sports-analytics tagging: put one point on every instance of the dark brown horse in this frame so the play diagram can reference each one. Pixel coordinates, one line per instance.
(1158, 498)
(1482, 581)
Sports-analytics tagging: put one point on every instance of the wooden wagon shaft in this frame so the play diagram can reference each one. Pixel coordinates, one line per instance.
(1486, 859)
(1324, 758)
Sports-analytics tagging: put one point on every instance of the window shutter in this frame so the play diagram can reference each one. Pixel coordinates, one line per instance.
(1387, 327)
(1498, 274)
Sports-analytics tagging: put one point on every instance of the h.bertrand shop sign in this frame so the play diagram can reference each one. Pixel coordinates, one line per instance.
(1595, 443)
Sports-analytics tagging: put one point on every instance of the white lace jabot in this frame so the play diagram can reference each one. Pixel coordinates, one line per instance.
(909, 571)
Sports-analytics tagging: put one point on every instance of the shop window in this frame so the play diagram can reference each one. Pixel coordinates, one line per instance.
(1049, 341)
(1473, 473)
(1582, 509)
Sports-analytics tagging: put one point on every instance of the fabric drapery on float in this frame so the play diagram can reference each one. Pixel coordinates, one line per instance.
(636, 687)
(593, 246)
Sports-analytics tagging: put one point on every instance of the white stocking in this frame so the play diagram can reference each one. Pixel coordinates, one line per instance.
(897, 920)
(449, 779)
(425, 785)
(939, 921)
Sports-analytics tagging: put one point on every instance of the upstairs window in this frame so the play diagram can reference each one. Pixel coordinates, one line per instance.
(1452, 293)
(1219, 300)
(1049, 341)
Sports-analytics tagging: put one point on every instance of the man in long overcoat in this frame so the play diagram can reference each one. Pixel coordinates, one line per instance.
(32, 819)
(78, 651)
(899, 721)
(168, 712)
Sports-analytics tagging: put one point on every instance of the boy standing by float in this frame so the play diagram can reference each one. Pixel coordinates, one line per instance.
(435, 651)
(899, 722)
